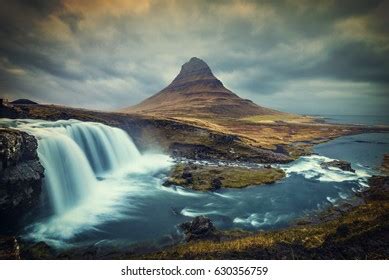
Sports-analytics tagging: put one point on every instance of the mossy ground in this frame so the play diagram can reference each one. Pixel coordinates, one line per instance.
(203, 178)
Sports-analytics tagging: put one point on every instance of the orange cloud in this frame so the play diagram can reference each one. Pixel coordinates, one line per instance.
(111, 7)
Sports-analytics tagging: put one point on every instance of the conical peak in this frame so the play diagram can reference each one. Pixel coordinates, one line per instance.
(194, 69)
(195, 64)
(196, 91)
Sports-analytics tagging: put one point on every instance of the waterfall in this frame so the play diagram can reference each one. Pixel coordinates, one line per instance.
(68, 175)
(75, 153)
(107, 148)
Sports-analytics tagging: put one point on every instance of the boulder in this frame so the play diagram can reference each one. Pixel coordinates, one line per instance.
(216, 184)
(341, 164)
(199, 228)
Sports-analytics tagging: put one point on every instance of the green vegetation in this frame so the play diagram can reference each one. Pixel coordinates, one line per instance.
(204, 178)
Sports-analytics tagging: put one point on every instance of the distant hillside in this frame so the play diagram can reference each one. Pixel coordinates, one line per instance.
(197, 92)
(23, 101)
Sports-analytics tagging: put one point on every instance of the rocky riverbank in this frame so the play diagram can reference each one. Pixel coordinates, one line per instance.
(21, 175)
(345, 232)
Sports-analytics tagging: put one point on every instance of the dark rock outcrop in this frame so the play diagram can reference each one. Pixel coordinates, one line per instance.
(11, 112)
(199, 228)
(21, 175)
(216, 184)
(341, 164)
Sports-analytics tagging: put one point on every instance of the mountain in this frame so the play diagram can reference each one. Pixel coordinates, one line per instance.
(23, 101)
(197, 92)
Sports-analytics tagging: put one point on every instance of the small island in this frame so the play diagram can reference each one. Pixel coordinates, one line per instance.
(210, 178)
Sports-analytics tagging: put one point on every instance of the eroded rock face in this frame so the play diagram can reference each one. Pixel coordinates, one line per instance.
(341, 164)
(21, 175)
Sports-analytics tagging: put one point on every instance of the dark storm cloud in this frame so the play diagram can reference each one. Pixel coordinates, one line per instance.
(355, 61)
(42, 7)
(72, 20)
(21, 42)
(119, 52)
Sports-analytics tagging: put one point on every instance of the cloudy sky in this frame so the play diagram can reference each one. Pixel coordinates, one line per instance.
(300, 56)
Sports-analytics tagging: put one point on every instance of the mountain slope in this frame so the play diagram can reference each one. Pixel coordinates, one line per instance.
(197, 92)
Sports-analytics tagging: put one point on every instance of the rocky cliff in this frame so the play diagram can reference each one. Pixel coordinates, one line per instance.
(21, 175)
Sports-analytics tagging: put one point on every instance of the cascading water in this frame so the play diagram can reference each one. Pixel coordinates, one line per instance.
(68, 175)
(74, 153)
(106, 148)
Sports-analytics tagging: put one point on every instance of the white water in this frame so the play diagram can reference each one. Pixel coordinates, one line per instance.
(68, 176)
(106, 148)
(310, 167)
